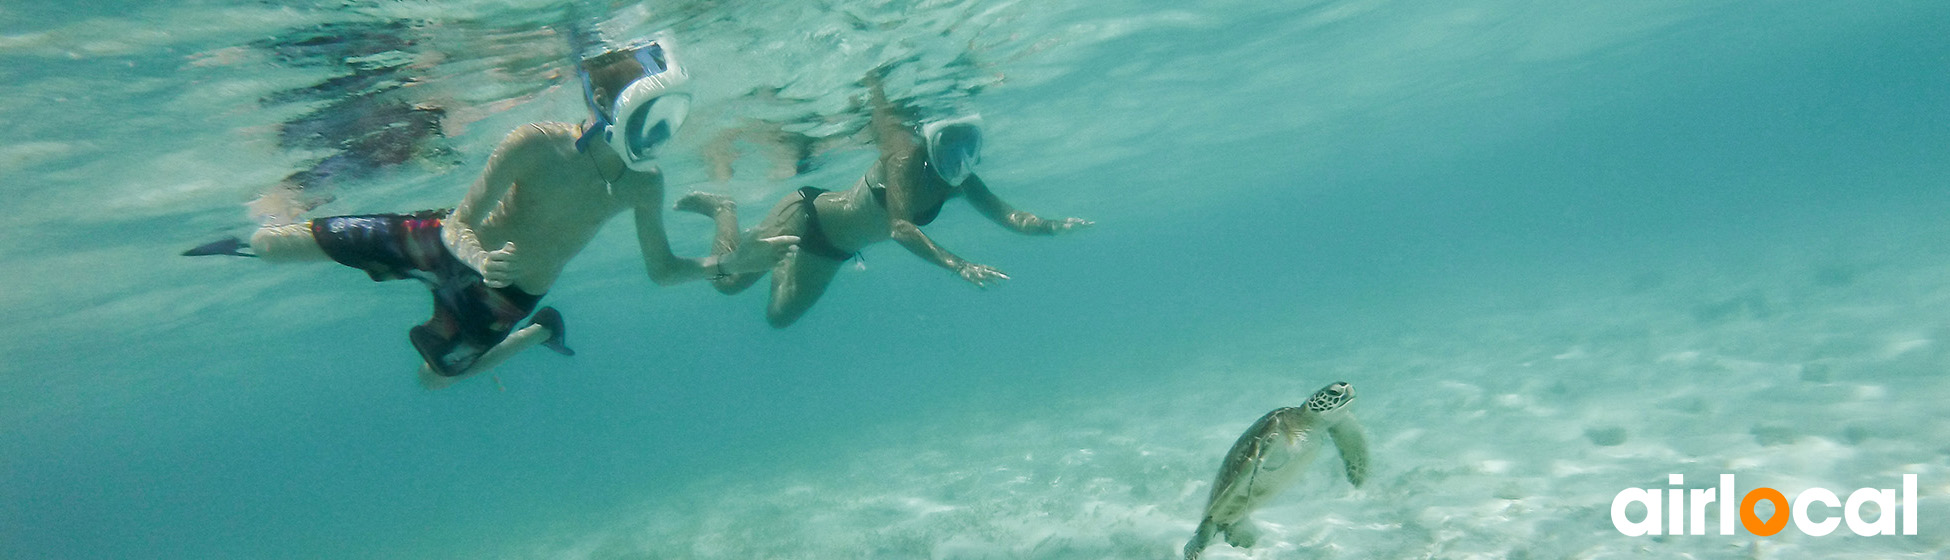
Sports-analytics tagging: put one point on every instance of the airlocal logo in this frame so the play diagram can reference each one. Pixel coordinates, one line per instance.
(1884, 524)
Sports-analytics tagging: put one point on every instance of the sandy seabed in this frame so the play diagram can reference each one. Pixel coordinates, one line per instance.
(1496, 435)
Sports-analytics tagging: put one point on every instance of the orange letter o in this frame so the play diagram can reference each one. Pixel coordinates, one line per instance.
(1752, 522)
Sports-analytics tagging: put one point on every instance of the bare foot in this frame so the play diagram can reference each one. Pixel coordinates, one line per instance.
(706, 204)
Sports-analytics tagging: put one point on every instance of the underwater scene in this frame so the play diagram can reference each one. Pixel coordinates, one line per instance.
(1228, 279)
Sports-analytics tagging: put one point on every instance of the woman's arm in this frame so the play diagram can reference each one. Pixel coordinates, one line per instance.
(900, 161)
(918, 242)
(911, 237)
(888, 121)
(900, 204)
(899, 170)
(1007, 216)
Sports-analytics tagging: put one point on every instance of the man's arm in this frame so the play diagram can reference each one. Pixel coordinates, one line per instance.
(668, 269)
(1007, 216)
(516, 154)
(663, 265)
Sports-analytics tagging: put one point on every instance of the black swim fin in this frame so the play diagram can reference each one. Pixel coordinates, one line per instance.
(551, 319)
(227, 246)
(433, 349)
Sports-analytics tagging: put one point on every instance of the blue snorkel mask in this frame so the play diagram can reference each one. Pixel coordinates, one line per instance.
(954, 147)
(645, 114)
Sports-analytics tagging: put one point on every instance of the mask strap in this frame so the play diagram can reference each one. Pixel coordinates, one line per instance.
(651, 57)
(589, 97)
(588, 133)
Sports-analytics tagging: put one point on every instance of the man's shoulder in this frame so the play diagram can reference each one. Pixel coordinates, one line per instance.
(544, 132)
(540, 139)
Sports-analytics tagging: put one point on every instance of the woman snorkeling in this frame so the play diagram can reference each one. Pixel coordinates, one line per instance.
(905, 189)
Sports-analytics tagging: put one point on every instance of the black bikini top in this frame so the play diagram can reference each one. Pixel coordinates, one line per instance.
(920, 219)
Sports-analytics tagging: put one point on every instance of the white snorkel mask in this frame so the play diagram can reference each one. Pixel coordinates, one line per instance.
(645, 114)
(954, 147)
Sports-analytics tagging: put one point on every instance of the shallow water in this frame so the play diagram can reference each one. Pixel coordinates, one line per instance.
(1559, 250)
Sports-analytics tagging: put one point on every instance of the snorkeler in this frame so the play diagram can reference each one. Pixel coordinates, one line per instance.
(905, 189)
(544, 193)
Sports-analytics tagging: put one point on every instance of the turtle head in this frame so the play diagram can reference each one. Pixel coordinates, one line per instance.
(1331, 400)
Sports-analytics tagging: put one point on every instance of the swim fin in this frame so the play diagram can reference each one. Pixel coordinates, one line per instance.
(226, 246)
(551, 319)
(433, 349)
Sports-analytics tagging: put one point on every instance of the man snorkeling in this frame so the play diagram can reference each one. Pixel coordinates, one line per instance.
(544, 193)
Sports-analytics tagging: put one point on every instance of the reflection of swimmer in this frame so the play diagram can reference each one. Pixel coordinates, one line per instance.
(789, 152)
(786, 144)
(545, 192)
(368, 122)
(1271, 455)
(369, 135)
(904, 190)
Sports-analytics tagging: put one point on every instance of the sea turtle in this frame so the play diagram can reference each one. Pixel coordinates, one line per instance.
(1270, 455)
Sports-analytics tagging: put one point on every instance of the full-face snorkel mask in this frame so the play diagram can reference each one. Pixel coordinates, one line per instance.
(954, 147)
(646, 113)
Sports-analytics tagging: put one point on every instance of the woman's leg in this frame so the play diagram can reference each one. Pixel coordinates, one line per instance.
(797, 284)
(722, 211)
(785, 219)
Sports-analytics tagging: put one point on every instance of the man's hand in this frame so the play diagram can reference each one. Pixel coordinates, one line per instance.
(501, 267)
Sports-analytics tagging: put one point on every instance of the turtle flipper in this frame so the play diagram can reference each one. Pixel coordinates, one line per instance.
(1200, 539)
(1242, 533)
(1353, 445)
(551, 319)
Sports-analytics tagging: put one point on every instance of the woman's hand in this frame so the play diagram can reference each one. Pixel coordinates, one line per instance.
(1027, 223)
(1067, 224)
(982, 276)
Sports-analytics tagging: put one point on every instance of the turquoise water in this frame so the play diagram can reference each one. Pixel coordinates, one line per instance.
(1560, 250)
